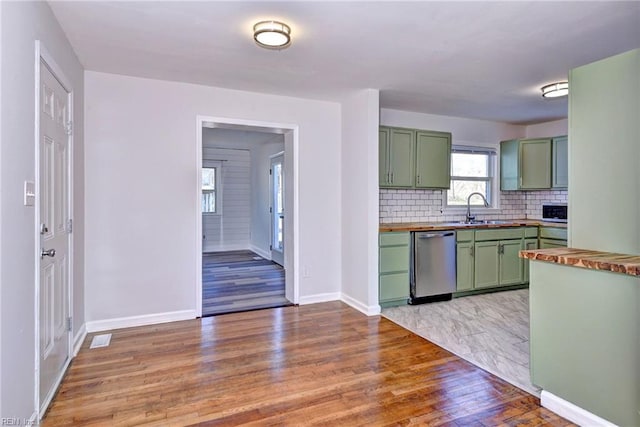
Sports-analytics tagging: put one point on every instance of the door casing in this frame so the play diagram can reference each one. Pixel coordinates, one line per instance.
(42, 54)
(278, 256)
(292, 254)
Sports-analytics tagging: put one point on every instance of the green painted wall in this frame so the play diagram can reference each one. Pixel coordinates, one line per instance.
(604, 154)
(585, 339)
(585, 324)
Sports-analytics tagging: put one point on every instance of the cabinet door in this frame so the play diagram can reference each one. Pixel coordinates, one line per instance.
(560, 158)
(401, 157)
(509, 165)
(535, 164)
(510, 262)
(433, 160)
(486, 265)
(383, 157)
(529, 244)
(464, 266)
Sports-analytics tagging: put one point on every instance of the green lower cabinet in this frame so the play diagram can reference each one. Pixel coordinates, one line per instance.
(491, 263)
(510, 263)
(529, 244)
(394, 286)
(464, 266)
(393, 268)
(487, 266)
(552, 243)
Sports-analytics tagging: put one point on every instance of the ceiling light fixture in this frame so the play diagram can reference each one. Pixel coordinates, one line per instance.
(554, 90)
(272, 34)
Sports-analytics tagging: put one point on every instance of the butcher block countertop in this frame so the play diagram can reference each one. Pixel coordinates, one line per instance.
(583, 258)
(435, 226)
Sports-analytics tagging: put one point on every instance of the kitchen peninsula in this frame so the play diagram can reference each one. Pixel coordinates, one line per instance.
(585, 330)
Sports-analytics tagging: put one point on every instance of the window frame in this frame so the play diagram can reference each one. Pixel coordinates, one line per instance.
(217, 166)
(493, 181)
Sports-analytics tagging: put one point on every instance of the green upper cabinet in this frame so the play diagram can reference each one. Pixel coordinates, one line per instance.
(411, 158)
(433, 159)
(397, 157)
(559, 162)
(383, 153)
(535, 164)
(509, 165)
(525, 164)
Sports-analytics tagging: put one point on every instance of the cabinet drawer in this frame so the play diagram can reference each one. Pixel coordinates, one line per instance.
(394, 258)
(552, 243)
(499, 234)
(394, 286)
(531, 232)
(394, 238)
(464, 235)
(553, 233)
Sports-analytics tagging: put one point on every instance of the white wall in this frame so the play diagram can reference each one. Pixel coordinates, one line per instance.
(463, 131)
(21, 24)
(260, 194)
(229, 229)
(542, 130)
(144, 242)
(360, 122)
(1, 257)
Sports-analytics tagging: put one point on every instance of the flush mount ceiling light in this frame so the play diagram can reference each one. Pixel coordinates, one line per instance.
(555, 90)
(272, 34)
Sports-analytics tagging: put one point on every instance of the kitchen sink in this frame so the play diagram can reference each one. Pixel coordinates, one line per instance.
(486, 221)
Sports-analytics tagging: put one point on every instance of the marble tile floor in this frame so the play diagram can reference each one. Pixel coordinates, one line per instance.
(489, 330)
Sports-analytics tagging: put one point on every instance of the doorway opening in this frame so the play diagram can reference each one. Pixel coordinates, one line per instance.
(246, 215)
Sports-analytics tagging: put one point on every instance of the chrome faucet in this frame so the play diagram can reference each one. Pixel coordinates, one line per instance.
(471, 218)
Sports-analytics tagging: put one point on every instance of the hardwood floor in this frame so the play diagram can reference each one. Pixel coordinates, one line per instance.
(239, 281)
(320, 364)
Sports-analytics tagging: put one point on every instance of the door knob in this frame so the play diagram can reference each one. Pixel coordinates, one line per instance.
(47, 252)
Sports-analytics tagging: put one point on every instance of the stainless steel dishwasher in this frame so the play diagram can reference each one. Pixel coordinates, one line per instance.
(433, 266)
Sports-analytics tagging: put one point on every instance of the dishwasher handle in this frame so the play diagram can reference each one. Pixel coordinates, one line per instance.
(434, 235)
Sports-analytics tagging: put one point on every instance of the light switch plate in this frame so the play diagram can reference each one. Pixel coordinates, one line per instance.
(29, 193)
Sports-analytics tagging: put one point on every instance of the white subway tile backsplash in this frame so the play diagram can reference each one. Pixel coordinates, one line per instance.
(426, 205)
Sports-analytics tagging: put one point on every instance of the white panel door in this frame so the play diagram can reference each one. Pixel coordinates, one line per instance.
(277, 209)
(54, 233)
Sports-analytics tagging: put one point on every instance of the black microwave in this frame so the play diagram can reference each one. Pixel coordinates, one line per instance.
(554, 212)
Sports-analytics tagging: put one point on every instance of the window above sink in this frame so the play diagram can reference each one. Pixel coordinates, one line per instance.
(473, 169)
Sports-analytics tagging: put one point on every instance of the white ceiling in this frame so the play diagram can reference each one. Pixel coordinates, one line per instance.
(483, 60)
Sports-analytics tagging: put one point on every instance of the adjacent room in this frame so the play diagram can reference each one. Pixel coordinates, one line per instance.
(242, 220)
